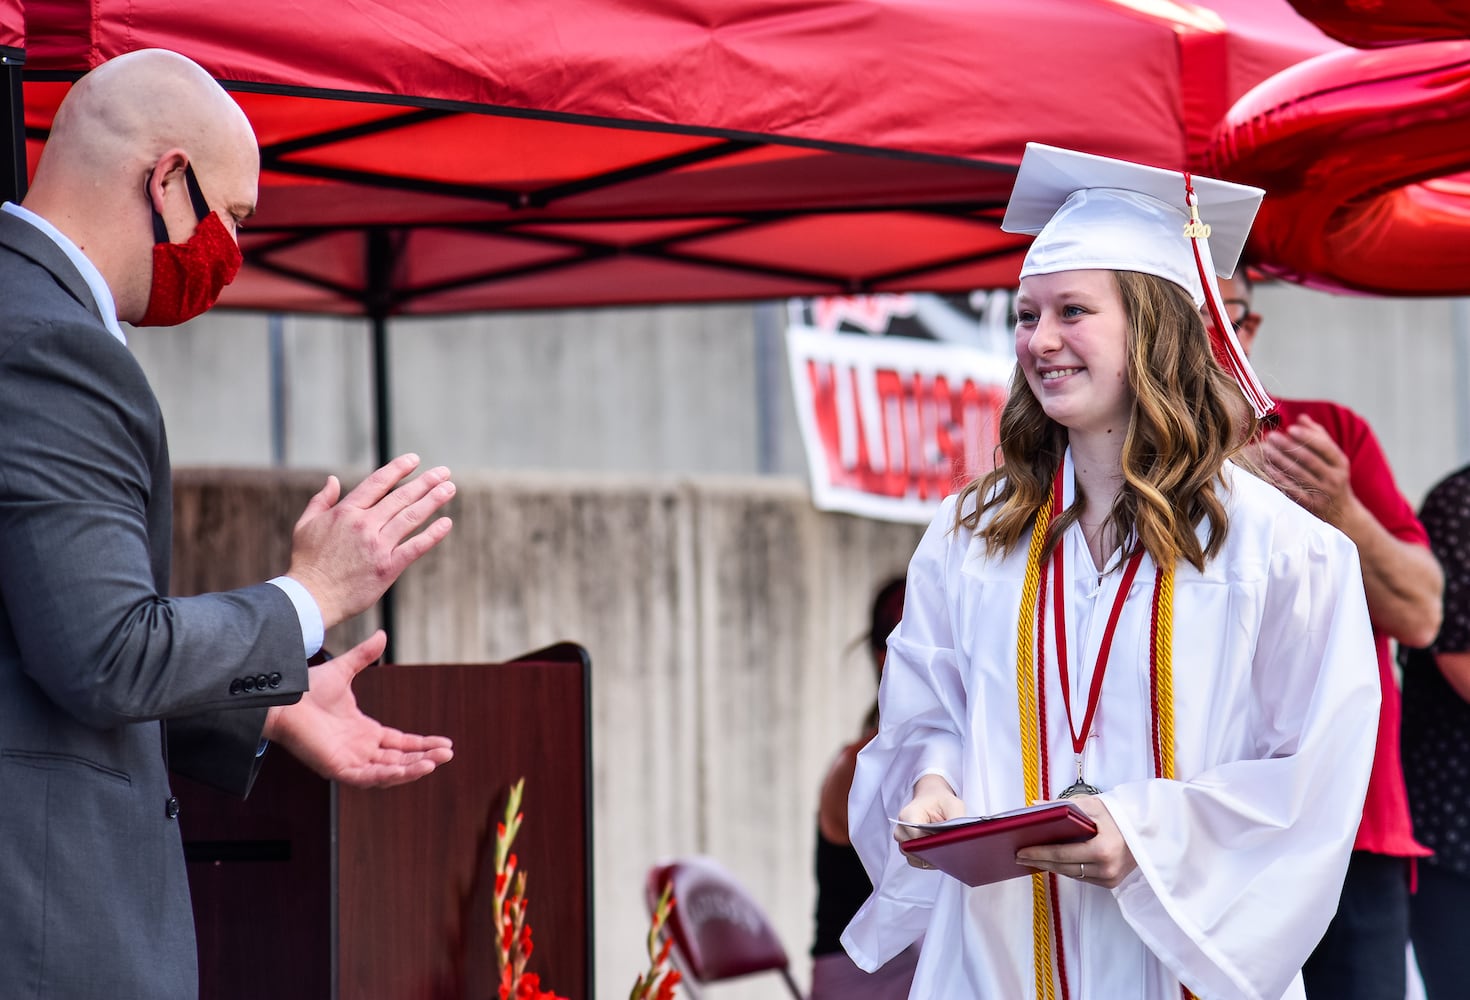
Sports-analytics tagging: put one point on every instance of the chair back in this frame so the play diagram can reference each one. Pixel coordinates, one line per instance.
(719, 931)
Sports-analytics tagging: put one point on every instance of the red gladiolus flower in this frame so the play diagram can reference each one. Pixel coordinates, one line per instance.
(666, 988)
(513, 933)
(530, 989)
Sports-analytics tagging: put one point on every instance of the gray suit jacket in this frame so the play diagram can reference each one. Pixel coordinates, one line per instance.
(94, 900)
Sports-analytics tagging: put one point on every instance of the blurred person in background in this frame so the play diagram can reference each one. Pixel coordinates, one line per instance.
(842, 884)
(1436, 745)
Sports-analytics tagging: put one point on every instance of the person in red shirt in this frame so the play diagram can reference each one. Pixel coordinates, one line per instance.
(1326, 458)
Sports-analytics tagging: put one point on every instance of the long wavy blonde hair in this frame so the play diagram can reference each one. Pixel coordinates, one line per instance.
(1188, 417)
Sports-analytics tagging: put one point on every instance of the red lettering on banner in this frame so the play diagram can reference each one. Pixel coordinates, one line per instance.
(824, 410)
(949, 445)
(934, 437)
(892, 481)
(824, 378)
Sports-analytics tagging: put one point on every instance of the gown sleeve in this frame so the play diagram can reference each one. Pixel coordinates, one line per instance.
(922, 712)
(1234, 864)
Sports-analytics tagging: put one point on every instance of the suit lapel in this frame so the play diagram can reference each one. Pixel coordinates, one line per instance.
(28, 241)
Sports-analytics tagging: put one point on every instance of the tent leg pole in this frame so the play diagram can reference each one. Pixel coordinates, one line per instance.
(13, 159)
(383, 419)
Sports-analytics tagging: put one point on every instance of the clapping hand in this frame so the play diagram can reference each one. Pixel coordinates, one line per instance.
(328, 733)
(348, 551)
(1307, 465)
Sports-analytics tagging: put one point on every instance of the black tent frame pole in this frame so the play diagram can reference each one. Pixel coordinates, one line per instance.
(379, 283)
(13, 159)
(383, 432)
(382, 402)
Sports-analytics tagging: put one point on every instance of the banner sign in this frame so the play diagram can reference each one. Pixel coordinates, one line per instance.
(894, 420)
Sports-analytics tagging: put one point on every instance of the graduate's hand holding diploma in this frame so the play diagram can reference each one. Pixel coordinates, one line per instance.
(933, 802)
(1104, 860)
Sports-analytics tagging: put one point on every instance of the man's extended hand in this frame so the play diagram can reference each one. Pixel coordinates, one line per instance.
(328, 733)
(347, 553)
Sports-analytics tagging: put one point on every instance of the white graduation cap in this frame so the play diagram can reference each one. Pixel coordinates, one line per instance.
(1094, 212)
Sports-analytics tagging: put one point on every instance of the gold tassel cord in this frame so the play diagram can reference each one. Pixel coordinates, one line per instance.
(1164, 677)
(1026, 655)
(1164, 654)
(1030, 739)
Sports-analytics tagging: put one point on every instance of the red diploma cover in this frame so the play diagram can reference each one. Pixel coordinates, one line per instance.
(980, 850)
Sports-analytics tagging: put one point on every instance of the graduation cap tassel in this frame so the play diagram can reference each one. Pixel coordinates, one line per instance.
(1222, 332)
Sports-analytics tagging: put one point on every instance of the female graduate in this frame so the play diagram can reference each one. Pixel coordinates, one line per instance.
(1120, 614)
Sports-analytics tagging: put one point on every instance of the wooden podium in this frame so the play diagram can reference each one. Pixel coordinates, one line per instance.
(313, 891)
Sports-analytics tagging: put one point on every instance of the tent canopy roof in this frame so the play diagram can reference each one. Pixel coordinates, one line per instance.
(441, 157)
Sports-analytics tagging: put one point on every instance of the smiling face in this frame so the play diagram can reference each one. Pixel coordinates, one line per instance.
(1072, 346)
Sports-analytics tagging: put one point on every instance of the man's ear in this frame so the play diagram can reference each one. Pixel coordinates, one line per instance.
(167, 170)
(1246, 331)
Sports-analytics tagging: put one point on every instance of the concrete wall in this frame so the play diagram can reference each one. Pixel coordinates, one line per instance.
(673, 390)
(719, 615)
(698, 390)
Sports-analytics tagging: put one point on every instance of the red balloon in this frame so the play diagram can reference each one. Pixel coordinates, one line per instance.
(1371, 24)
(1358, 152)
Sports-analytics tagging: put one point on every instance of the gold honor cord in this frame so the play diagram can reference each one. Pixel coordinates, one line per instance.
(1163, 671)
(1026, 685)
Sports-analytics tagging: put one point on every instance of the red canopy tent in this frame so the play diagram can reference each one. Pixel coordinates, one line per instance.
(12, 26)
(445, 157)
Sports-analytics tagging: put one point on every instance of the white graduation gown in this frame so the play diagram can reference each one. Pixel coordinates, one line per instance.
(1240, 861)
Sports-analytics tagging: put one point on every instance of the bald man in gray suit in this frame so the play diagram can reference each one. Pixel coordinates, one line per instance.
(105, 681)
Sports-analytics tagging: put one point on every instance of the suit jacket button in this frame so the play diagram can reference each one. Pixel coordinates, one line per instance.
(248, 684)
(171, 808)
(261, 682)
(275, 679)
(235, 686)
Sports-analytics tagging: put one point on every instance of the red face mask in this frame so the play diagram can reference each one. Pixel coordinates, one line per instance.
(188, 276)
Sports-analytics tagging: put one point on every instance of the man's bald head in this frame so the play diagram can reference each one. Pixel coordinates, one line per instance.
(130, 110)
(117, 152)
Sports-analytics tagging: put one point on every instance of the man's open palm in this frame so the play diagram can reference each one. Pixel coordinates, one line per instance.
(328, 733)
